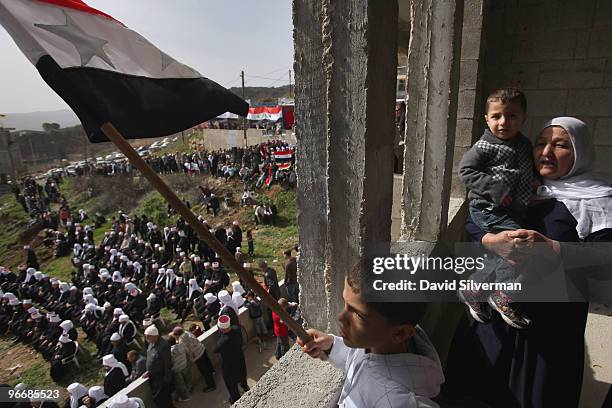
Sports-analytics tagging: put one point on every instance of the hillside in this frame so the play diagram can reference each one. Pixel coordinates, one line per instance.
(133, 196)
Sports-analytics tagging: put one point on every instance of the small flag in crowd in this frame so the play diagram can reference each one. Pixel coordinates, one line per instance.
(109, 73)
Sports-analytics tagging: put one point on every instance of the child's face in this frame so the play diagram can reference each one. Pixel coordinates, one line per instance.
(505, 119)
(363, 327)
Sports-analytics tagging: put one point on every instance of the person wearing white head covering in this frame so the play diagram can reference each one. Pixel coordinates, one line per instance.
(237, 299)
(237, 287)
(194, 289)
(159, 367)
(161, 276)
(563, 157)
(117, 278)
(586, 194)
(170, 277)
(96, 393)
(228, 307)
(115, 376)
(29, 275)
(233, 365)
(127, 329)
(68, 329)
(122, 401)
(77, 392)
(67, 349)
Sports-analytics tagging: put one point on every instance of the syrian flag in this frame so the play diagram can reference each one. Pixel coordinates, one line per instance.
(109, 73)
(271, 113)
(283, 158)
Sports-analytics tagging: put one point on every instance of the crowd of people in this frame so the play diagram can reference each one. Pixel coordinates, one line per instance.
(119, 286)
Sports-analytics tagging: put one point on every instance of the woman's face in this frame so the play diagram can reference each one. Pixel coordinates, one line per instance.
(553, 153)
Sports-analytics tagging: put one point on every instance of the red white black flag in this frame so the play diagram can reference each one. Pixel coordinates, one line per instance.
(109, 73)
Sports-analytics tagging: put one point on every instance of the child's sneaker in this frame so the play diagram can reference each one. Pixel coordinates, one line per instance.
(502, 303)
(474, 301)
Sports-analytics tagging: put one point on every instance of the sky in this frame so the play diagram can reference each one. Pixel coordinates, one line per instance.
(218, 38)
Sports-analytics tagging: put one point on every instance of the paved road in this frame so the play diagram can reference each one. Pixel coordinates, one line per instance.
(257, 365)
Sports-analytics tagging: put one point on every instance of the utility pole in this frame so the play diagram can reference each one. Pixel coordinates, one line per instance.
(244, 123)
(290, 92)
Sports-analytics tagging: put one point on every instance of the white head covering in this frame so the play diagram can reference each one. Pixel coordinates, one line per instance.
(117, 277)
(122, 401)
(97, 392)
(226, 300)
(237, 287)
(66, 325)
(76, 391)
(587, 196)
(170, 277)
(237, 299)
(193, 286)
(109, 360)
(210, 298)
(29, 273)
(115, 337)
(151, 331)
(124, 318)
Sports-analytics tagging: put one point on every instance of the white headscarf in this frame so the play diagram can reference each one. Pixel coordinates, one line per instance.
(76, 391)
(117, 277)
(29, 273)
(170, 277)
(226, 300)
(587, 196)
(193, 286)
(97, 393)
(109, 360)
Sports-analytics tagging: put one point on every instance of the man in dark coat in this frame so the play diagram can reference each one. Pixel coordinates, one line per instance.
(270, 279)
(116, 373)
(32, 260)
(233, 365)
(65, 348)
(159, 368)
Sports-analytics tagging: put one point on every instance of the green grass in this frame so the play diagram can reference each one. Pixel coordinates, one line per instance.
(14, 220)
(60, 268)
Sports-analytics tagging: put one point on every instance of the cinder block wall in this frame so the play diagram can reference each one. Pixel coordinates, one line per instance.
(560, 53)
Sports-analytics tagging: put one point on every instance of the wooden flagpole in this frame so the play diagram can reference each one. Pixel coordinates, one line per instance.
(114, 136)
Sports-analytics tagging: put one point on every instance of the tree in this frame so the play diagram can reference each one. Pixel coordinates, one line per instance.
(47, 127)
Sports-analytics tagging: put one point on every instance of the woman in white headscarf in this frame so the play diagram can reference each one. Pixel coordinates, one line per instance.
(543, 365)
(77, 392)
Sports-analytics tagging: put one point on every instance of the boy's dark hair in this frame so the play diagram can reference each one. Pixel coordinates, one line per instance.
(287, 252)
(505, 95)
(395, 313)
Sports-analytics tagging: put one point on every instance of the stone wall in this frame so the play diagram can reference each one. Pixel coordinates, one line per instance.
(560, 54)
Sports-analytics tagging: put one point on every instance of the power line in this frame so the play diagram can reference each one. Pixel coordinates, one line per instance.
(276, 70)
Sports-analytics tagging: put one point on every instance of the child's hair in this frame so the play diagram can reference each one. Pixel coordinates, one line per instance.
(395, 313)
(287, 252)
(505, 95)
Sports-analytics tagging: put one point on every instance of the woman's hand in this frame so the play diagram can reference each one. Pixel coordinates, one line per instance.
(321, 342)
(515, 246)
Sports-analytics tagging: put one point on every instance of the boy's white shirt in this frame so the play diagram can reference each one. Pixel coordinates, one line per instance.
(389, 380)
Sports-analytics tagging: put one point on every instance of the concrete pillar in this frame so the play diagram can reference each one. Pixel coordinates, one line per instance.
(433, 76)
(345, 154)
(311, 158)
(471, 85)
